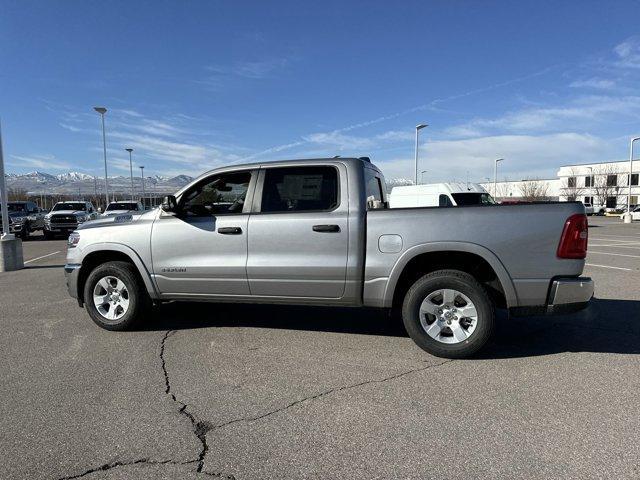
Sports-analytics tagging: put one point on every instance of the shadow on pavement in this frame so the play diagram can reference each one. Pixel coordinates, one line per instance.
(607, 326)
(34, 267)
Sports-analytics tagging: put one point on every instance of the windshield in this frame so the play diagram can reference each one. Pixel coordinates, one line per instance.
(122, 206)
(68, 206)
(473, 198)
(16, 207)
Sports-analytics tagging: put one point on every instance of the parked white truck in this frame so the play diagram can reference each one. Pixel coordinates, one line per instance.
(318, 232)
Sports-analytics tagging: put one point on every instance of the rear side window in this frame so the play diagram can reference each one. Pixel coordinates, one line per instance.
(299, 189)
(374, 191)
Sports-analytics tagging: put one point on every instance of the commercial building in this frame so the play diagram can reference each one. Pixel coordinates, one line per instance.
(604, 185)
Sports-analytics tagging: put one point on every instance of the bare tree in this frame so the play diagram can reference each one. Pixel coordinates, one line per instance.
(534, 190)
(570, 189)
(602, 186)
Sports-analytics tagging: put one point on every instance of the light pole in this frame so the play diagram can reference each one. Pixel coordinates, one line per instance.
(142, 176)
(422, 175)
(102, 111)
(418, 128)
(495, 177)
(628, 217)
(131, 171)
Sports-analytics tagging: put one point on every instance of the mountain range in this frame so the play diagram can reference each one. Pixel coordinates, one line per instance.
(70, 183)
(82, 183)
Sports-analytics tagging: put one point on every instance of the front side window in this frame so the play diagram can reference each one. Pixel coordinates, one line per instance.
(220, 194)
(299, 189)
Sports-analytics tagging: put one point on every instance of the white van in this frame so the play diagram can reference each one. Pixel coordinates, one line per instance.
(450, 194)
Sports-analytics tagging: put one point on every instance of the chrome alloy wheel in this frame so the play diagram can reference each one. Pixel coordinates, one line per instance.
(111, 298)
(448, 316)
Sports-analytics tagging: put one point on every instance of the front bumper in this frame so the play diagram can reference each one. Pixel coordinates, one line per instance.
(569, 295)
(71, 273)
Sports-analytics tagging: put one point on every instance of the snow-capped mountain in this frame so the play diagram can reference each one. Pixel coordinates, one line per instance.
(73, 177)
(84, 184)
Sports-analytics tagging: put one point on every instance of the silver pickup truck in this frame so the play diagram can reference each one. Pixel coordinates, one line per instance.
(319, 232)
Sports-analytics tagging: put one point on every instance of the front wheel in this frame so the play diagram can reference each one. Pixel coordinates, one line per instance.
(448, 314)
(115, 296)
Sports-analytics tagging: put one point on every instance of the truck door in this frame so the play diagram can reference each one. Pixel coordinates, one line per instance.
(298, 233)
(202, 249)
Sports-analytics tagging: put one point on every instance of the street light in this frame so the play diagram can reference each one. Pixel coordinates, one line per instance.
(422, 175)
(628, 217)
(131, 171)
(495, 177)
(142, 176)
(418, 128)
(102, 111)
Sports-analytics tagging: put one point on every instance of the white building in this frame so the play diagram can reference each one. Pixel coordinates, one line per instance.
(604, 185)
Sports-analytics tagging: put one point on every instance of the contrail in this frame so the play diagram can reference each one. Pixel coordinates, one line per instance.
(426, 106)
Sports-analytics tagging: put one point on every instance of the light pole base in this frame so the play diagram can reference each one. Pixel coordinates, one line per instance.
(10, 253)
(627, 218)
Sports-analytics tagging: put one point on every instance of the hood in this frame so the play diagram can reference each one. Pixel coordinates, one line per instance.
(111, 213)
(18, 214)
(111, 221)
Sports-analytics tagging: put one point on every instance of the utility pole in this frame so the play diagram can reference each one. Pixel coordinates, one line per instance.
(133, 193)
(142, 176)
(102, 111)
(418, 128)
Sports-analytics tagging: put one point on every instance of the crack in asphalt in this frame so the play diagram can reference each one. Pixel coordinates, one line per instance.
(200, 428)
(328, 392)
(109, 466)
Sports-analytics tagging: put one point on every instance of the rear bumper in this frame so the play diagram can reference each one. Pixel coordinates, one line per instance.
(71, 272)
(566, 295)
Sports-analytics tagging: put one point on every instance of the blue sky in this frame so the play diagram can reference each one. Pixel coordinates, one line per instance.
(195, 85)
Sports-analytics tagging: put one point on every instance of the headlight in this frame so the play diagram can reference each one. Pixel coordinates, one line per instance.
(73, 240)
(17, 220)
(82, 218)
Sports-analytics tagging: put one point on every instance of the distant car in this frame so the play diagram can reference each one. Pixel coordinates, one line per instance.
(588, 209)
(65, 217)
(121, 207)
(24, 218)
(635, 213)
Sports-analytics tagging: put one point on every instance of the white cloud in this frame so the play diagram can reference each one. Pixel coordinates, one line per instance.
(628, 53)
(597, 83)
(46, 162)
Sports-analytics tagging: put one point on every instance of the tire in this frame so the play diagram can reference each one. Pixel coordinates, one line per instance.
(131, 299)
(26, 230)
(464, 335)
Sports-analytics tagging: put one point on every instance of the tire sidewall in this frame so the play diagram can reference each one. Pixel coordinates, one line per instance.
(463, 283)
(120, 271)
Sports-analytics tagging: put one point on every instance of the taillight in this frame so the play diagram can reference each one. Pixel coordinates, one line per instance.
(573, 243)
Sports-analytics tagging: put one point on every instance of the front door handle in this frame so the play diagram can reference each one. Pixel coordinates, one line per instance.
(230, 230)
(326, 228)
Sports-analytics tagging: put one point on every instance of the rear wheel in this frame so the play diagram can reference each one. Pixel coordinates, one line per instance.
(448, 314)
(115, 296)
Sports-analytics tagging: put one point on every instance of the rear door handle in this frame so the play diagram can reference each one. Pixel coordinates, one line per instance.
(326, 228)
(230, 230)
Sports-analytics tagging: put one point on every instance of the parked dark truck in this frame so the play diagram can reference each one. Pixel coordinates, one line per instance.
(319, 232)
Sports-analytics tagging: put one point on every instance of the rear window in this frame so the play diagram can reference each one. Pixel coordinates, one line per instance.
(473, 198)
(300, 189)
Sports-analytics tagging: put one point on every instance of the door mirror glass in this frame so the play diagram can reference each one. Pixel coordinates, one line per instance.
(169, 204)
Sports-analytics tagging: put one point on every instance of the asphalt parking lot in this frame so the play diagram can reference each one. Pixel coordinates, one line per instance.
(246, 392)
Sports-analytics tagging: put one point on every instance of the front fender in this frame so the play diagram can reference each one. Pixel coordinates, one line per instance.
(473, 248)
(129, 252)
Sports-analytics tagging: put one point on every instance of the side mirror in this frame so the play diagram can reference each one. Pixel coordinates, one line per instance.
(99, 209)
(169, 204)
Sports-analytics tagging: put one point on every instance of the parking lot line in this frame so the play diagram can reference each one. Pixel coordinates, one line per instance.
(616, 245)
(616, 236)
(606, 266)
(616, 254)
(43, 256)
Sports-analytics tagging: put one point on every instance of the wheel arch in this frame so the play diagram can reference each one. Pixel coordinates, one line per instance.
(98, 254)
(474, 259)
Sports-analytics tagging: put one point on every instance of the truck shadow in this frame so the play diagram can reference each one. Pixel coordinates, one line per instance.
(607, 326)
